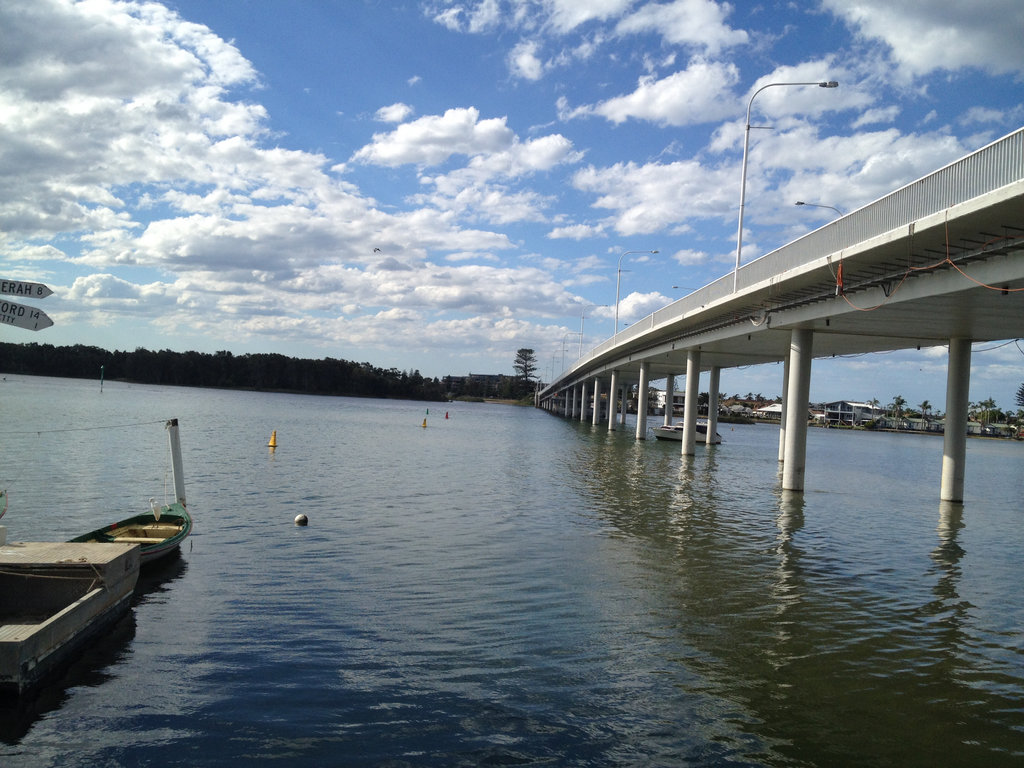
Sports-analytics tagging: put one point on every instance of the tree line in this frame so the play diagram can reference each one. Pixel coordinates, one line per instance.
(270, 372)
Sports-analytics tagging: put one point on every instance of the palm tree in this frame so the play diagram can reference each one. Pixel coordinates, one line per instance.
(926, 408)
(897, 405)
(986, 406)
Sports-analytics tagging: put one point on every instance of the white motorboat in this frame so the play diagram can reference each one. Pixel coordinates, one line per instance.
(675, 432)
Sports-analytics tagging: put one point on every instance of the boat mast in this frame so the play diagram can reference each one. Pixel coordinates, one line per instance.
(177, 473)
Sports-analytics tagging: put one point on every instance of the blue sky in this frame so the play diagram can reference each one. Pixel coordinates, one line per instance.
(433, 185)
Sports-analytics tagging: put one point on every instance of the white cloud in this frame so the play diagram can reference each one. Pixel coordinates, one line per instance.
(394, 113)
(432, 139)
(690, 257)
(153, 113)
(982, 115)
(576, 232)
(638, 305)
(523, 61)
(103, 286)
(875, 116)
(687, 97)
(648, 198)
(850, 171)
(927, 35)
(484, 190)
(697, 23)
(567, 15)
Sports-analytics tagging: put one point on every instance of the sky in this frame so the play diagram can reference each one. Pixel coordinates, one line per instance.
(432, 185)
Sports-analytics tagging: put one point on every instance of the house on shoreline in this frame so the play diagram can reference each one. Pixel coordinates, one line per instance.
(851, 414)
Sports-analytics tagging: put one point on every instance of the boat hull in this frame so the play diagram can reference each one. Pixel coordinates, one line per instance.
(156, 537)
(675, 432)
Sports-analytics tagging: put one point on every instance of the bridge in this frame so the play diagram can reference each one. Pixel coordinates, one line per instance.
(939, 262)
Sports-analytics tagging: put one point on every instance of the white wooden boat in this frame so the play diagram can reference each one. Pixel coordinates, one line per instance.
(160, 531)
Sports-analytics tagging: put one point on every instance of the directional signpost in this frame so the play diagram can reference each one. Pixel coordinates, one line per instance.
(25, 290)
(22, 315)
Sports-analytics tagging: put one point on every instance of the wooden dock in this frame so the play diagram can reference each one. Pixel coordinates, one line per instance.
(54, 598)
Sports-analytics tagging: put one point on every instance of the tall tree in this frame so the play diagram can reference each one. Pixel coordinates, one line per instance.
(897, 405)
(525, 364)
(986, 408)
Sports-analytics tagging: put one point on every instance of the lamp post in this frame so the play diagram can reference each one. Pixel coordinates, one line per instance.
(816, 205)
(564, 337)
(618, 281)
(743, 176)
(583, 312)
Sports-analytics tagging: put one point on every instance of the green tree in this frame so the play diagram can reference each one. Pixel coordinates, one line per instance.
(525, 364)
(986, 409)
(926, 408)
(897, 405)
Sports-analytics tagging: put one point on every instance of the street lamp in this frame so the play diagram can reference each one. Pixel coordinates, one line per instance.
(564, 337)
(816, 205)
(583, 312)
(618, 281)
(743, 177)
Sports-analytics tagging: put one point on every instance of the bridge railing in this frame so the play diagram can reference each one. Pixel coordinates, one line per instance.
(986, 170)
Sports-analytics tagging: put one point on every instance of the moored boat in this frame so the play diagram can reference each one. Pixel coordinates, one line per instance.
(675, 432)
(159, 532)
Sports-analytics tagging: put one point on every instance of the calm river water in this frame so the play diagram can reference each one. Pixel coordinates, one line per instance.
(506, 587)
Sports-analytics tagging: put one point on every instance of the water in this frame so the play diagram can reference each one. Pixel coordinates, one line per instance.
(509, 588)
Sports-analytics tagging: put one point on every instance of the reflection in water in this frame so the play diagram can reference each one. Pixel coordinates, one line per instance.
(787, 590)
(90, 669)
(806, 622)
(156, 578)
(949, 553)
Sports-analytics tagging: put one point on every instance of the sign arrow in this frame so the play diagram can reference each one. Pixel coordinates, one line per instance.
(22, 316)
(29, 290)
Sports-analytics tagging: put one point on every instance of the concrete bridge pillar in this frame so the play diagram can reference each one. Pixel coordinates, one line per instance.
(954, 441)
(798, 396)
(714, 381)
(624, 404)
(641, 403)
(670, 393)
(613, 393)
(597, 403)
(582, 387)
(690, 404)
(782, 415)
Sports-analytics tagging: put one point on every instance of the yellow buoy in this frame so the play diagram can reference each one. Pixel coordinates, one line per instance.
(424, 423)
(273, 440)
